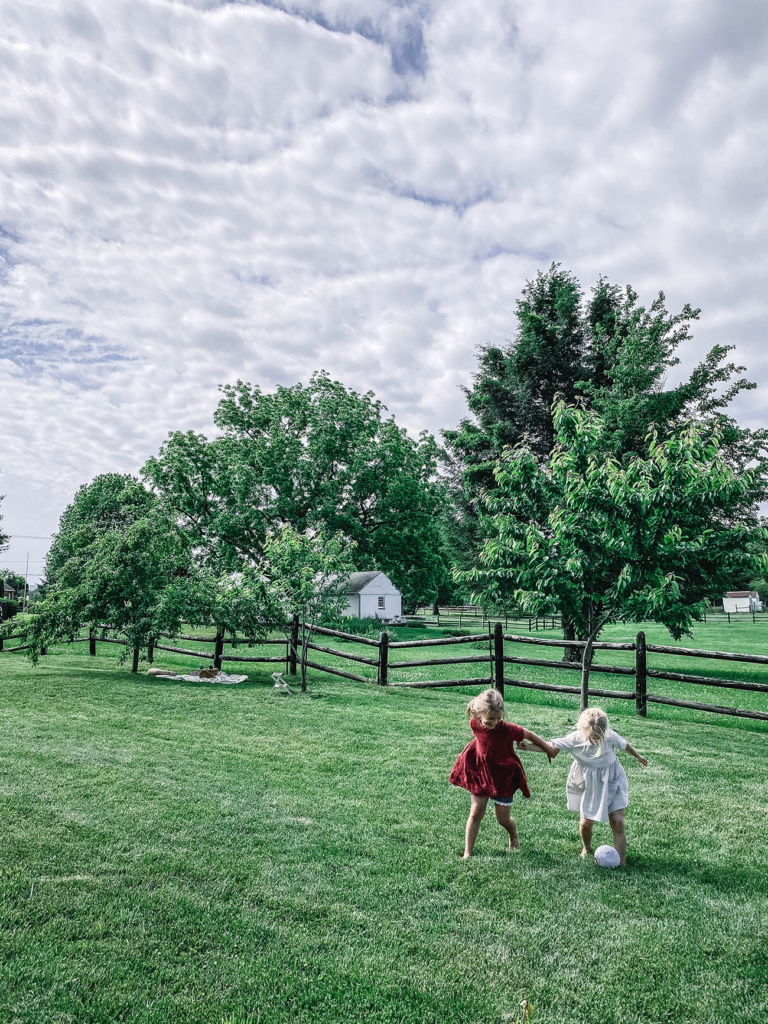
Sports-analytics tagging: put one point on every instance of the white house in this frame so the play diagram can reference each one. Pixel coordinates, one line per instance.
(372, 595)
(742, 601)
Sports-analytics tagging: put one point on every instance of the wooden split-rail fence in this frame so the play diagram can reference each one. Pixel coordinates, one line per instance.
(499, 665)
(457, 618)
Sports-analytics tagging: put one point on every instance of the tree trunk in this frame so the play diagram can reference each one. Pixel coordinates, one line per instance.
(304, 642)
(585, 666)
(570, 654)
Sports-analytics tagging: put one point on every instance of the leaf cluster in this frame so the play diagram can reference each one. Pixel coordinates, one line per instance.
(315, 456)
(652, 537)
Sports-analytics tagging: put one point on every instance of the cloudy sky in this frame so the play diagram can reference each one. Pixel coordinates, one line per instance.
(195, 191)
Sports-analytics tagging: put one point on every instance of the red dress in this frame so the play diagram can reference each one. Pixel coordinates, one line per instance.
(489, 766)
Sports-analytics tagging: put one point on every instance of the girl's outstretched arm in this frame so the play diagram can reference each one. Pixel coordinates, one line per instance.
(534, 742)
(631, 750)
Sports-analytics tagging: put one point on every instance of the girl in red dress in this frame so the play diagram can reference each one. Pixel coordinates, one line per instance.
(489, 767)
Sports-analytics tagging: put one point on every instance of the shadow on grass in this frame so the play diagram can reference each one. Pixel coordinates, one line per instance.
(728, 879)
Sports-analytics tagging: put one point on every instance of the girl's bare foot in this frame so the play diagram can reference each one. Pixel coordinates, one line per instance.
(466, 856)
(585, 853)
(514, 842)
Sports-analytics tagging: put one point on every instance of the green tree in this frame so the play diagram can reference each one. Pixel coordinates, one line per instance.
(116, 577)
(650, 538)
(13, 579)
(109, 561)
(109, 504)
(314, 456)
(307, 573)
(119, 559)
(514, 387)
(616, 356)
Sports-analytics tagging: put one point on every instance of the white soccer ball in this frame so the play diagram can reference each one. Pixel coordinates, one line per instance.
(607, 857)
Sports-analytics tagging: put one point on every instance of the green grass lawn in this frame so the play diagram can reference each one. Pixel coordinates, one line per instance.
(191, 852)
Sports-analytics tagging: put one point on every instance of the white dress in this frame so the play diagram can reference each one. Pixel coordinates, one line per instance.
(597, 783)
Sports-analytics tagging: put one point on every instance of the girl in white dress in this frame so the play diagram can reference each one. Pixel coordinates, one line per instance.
(597, 784)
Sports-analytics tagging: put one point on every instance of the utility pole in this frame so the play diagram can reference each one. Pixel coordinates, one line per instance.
(26, 585)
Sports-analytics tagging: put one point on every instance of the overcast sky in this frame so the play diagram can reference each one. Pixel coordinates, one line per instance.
(198, 191)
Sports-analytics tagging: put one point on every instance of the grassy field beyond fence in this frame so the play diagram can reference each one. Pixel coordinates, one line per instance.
(189, 852)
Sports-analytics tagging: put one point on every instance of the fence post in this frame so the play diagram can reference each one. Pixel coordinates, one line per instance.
(729, 618)
(135, 665)
(383, 658)
(151, 650)
(294, 644)
(641, 703)
(304, 649)
(218, 650)
(91, 643)
(498, 658)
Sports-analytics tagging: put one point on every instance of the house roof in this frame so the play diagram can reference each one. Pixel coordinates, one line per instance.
(359, 580)
(741, 593)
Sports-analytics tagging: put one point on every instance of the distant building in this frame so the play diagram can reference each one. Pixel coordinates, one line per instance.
(9, 592)
(372, 595)
(742, 601)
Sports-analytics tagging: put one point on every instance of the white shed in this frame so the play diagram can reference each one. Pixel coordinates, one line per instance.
(372, 595)
(742, 601)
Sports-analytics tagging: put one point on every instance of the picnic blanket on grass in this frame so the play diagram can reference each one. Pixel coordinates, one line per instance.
(194, 677)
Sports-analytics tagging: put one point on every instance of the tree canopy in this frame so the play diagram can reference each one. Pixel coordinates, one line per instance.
(113, 557)
(612, 355)
(610, 351)
(308, 456)
(651, 537)
(109, 504)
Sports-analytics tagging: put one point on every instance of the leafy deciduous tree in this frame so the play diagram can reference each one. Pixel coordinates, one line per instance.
(650, 538)
(309, 456)
(307, 574)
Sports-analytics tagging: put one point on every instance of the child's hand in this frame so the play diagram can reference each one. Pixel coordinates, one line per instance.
(631, 750)
(551, 751)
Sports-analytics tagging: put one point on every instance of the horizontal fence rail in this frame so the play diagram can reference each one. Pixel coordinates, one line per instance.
(344, 654)
(597, 646)
(471, 660)
(543, 662)
(492, 644)
(683, 677)
(424, 684)
(442, 642)
(575, 690)
(347, 636)
(687, 652)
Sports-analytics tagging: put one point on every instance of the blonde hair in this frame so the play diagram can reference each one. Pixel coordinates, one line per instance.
(593, 726)
(485, 703)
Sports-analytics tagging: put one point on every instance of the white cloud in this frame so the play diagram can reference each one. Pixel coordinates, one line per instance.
(195, 192)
